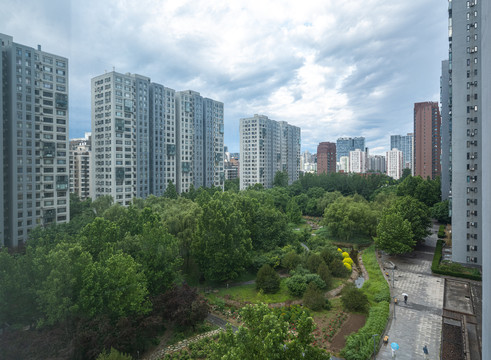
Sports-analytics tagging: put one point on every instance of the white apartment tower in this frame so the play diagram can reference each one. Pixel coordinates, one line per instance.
(268, 146)
(34, 138)
(80, 168)
(357, 161)
(467, 74)
(395, 163)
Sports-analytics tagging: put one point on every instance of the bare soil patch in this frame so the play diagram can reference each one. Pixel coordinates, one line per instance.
(352, 324)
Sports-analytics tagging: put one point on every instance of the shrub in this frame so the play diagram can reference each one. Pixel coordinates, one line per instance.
(337, 268)
(441, 232)
(291, 260)
(296, 285)
(328, 254)
(345, 254)
(267, 280)
(354, 300)
(313, 262)
(313, 297)
(113, 355)
(325, 274)
(348, 260)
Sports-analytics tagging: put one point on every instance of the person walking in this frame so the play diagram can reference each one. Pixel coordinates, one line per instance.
(405, 299)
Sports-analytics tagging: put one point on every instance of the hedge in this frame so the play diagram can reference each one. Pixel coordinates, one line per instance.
(435, 265)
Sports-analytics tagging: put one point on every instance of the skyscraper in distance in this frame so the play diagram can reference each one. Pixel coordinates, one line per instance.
(395, 161)
(405, 144)
(326, 158)
(346, 144)
(427, 140)
(446, 130)
(266, 147)
(34, 134)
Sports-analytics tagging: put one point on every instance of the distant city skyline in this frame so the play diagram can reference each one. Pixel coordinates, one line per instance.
(334, 69)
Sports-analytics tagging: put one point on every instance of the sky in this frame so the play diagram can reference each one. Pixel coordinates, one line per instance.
(332, 68)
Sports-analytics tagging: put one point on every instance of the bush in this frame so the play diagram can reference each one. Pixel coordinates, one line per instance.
(338, 269)
(448, 270)
(296, 285)
(313, 297)
(354, 300)
(313, 262)
(441, 232)
(325, 274)
(114, 355)
(329, 254)
(291, 260)
(267, 280)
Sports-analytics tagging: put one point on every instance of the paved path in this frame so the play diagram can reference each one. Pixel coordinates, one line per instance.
(419, 322)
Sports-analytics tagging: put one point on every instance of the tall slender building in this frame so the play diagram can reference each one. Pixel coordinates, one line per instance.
(80, 169)
(268, 146)
(395, 161)
(446, 131)
(326, 158)
(357, 161)
(34, 128)
(427, 140)
(468, 74)
(405, 144)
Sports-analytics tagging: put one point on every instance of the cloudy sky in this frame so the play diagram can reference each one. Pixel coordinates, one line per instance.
(333, 68)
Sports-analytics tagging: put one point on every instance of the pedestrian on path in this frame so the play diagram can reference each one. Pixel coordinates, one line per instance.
(405, 299)
(425, 351)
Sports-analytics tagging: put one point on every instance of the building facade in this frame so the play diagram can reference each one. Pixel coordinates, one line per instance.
(427, 142)
(346, 144)
(357, 161)
(326, 158)
(395, 163)
(80, 168)
(146, 135)
(446, 131)
(268, 146)
(467, 79)
(377, 164)
(405, 144)
(34, 127)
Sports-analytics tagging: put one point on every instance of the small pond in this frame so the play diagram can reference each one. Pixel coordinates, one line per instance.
(359, 282)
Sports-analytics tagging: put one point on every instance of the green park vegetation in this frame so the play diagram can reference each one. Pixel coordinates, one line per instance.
(117, 277)
(452, 269)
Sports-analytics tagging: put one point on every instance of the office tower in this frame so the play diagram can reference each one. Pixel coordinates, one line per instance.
(486, 174)
(347, 144)
(80, 169)
(357, 161)
(34, 165)
(395, 161)
(326, 158)
(200, 141)
(307, 162)
(146, 135)
(446, 130)
(268, 146)
(427, 140)
(377, 164)
(405, 144)
(468, 80)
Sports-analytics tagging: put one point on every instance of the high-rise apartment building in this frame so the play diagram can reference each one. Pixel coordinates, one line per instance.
(326, 158)
(34, 139)
(80, 169)
(376, 163)
(268, 146)
(405, 144)
(395, 163)
(146, 135)
(346, 144)
(308, 162)
(427, 140)
(343, 164)
(357, 161)
(467, 75)
(446, 131)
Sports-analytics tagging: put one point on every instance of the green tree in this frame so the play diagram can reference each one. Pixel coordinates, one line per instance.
(170, 191)
(281, 179)
(325, 274)
(291, 260)
(114, 286)
(267, 280)
(313, 262)
(101, 204)
(232, 185)
(394, 234)
(113, 354)
(293, 212)
(354, 300)
(440, 211)
(416, 213)
(314, 298)
(266, 335)
(222, 242)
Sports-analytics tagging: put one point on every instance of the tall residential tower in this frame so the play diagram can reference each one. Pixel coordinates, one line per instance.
(427, 140)
(34, 139)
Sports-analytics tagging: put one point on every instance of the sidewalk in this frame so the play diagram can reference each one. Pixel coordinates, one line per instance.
(419, 322)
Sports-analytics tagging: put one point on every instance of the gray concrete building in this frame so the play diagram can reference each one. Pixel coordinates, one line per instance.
(267, 146)
(346, 144)
(467, 161)
(446, 131)
(34, 128)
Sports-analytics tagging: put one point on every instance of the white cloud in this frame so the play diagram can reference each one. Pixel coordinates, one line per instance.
(333, 68)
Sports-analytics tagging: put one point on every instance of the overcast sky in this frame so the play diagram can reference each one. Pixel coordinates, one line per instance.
(333, 68)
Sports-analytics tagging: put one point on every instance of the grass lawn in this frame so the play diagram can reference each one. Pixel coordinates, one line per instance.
(249, 293)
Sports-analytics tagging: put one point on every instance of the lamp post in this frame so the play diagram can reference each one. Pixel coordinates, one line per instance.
(374, 348)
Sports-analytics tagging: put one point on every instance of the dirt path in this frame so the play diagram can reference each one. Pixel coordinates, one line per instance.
(352, 324)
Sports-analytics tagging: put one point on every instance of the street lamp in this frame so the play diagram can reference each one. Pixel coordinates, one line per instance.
(374, 348)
